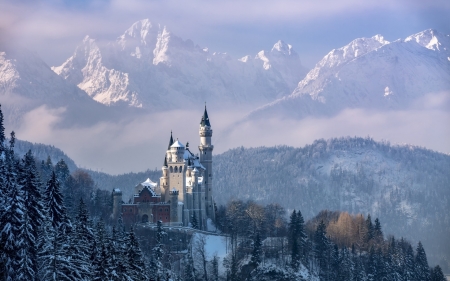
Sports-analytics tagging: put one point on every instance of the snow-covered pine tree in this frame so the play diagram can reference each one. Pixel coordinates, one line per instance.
(371, 265)
(102, 264)
(81, 243)
(437, 274)
(135, 263)
(156, 266)
(255, 259)
(422, 271)
(56, 211)
(33, 216)
(408, 267)
(215, 268)
(11, 225)
(188, 272)
(321, 248)
(301, 237)
(346, 266)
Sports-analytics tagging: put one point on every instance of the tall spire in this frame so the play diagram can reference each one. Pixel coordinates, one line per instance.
(171, 140)
(205, 119)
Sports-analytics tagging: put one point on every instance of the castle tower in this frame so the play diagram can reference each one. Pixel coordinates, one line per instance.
(117, 203)
(206, 149)
(164, 180)
(174, 206)
(177, 170)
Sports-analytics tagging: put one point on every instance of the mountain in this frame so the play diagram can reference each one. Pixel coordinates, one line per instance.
(369, 73)
(150, 67)
(27, 82)
(406, 187)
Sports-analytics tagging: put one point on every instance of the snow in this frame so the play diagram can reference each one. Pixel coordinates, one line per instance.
(353, 75)
(149, 66)
(149, 183)
(177, 143)
(215, 245)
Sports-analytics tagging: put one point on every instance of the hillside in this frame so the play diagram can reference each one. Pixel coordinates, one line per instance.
(407, 187)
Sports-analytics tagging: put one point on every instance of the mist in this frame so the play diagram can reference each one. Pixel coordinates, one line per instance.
(140, 143)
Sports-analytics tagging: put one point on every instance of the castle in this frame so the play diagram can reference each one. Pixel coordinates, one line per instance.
(184, 196)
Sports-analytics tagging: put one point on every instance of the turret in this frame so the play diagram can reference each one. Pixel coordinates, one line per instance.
(117, 203)
(206, 149)
(164, 180)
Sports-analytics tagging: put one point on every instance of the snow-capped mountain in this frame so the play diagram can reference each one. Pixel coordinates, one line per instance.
(370, 73)
(148, 66)
(26, 82)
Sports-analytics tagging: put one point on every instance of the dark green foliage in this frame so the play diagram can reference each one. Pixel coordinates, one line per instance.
(255, 260)
(437, 274)
(422, 271)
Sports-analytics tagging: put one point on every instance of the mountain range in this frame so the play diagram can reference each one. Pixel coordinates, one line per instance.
(369, 73)
(148, 66)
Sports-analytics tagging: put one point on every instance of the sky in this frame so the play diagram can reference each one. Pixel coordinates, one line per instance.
(53, 28)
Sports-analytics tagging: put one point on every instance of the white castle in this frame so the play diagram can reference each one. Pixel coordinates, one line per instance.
(185, 192)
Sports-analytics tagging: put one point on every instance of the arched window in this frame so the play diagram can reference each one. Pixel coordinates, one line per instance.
(181, 169)
(171, 169)
(176, 169)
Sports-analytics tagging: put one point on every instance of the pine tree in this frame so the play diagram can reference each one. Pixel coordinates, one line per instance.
(437, 274)
(11, 231)
(369, 227)
(377, 232)
(215, 268)
(2, 132)
(54, 203)
(82, 243)
(135, 264)
(422, 271)
(255, 260)
(188, 272)
(408, 267)
(156, 266)
(321, 250)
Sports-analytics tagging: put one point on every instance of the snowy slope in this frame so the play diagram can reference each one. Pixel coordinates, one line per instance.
(406, 187)
(370, 73)
(149, 66)
(26, 82)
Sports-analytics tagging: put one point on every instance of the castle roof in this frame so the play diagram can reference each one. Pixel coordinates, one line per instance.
(148, 183)
(177, 143)
(205, 119)
(170, 141)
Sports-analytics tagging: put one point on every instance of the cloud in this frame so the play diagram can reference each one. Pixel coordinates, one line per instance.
(140, 143)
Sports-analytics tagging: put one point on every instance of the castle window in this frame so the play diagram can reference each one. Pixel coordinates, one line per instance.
(176, 169)
(171, 169)
(181, 169)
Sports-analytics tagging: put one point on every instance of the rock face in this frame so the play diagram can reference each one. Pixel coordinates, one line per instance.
(150, 67)
(370, 73)
(26, 82)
